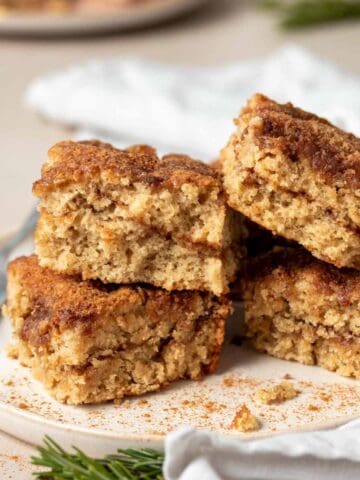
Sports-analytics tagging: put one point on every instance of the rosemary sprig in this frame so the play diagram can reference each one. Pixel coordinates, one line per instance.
(129, 464)
(304, 13)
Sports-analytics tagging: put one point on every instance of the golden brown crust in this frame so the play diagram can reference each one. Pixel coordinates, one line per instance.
(67, 295)
(331, 152)
(288, 265)
(73, 162)
(62, 301)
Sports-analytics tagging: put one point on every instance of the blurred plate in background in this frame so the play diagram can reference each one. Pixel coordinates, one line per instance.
(80, 21)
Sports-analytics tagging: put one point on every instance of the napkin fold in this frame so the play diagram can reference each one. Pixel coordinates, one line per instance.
(188, 110)
(200, 455)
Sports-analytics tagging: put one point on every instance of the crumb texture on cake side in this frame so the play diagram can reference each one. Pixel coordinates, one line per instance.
(126, 216)
(298, 176)
(89, 342)
(299, 308)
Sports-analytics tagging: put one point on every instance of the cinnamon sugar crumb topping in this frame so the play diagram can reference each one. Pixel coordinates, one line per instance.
(76, 161)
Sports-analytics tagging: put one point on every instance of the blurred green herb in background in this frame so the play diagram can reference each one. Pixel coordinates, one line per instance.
(129, 464)
(305, 13)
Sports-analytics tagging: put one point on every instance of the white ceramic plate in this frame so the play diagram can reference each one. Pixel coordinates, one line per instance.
(28, 412)
(140, 15)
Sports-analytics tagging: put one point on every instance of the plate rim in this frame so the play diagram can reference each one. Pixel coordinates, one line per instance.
(80, 22)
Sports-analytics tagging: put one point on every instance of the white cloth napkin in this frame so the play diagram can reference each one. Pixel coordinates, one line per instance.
(190, 110)
(330, 455)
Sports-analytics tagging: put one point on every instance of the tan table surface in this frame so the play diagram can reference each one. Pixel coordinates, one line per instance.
(228, 30)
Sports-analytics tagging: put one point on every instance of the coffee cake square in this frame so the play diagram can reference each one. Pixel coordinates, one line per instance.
(126, 216)
(300, 308)
(88, 342)
(298, 176)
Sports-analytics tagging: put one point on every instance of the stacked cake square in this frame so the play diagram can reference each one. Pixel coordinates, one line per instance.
(298, 176)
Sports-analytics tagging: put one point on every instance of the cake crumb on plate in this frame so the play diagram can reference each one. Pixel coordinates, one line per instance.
(245, 421)
(277, 394)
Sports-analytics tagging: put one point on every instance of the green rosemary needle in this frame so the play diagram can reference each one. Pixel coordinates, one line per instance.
(305, 13)
(129, 464)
